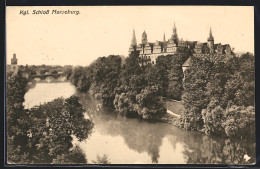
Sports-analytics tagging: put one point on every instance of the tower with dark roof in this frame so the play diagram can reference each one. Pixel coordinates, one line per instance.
(144, 38)
(211, 42)
(175, 38)
(133, 42)
(14, 66)
(133, 45)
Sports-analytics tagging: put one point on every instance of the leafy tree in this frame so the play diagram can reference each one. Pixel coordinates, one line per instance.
(240, 88)
(67, 70)
(194, 96)
(43, 134)
(239, 121)
(16, 116)
(76, 75)
(131, 67)
(106, 74)
(150, 104)
(213, 118)
(74, 156)
(102, 160)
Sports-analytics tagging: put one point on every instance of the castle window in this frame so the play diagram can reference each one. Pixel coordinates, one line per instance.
(152, 62)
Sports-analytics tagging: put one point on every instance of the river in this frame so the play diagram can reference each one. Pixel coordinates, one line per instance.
(135, 141)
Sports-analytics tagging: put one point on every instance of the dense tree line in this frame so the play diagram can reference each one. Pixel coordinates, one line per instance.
(132, 89)
(212, 89)
(219, 96)
(171, 74)
(43, 134)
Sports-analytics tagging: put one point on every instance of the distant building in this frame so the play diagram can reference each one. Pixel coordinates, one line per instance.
(209, 48)
(148, 52)
(14, 66)
(186, 64)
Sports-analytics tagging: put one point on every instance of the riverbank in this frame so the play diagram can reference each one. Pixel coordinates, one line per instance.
(177, 107)
(152, 142)
(174, 110)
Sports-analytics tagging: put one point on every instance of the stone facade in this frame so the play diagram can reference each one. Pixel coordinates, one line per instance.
(148, 52)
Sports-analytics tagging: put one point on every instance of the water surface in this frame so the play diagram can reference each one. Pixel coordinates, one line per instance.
(135, 141)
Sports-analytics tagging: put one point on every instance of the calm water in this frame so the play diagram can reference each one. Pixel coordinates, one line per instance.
(134, 141)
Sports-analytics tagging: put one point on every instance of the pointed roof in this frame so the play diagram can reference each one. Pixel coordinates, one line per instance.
(174, 29)
(133, 42)
(210, 38)
(187, 63)
(144, 35)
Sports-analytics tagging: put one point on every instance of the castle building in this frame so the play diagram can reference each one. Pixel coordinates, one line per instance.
(209, 47)
(14, 66)
(148, 52)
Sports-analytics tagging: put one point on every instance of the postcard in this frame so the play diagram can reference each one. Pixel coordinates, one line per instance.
(130, 85)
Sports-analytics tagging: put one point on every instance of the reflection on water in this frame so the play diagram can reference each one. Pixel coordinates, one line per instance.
(130, 141)
(134, 141)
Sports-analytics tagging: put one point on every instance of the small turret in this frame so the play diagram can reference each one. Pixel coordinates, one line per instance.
(211, 42)
(144, 38)
(133, 42)
(210, 38)
(14, 60)
(14, 66)
(175, 38)
(164, 43)
(174, 29)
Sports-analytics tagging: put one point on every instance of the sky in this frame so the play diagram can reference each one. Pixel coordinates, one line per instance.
(69, 39)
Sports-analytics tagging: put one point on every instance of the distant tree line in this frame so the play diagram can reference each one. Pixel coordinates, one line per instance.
(43, 134)
(42, 69)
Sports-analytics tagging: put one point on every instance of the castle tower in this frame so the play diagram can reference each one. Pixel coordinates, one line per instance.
(14, 66)
(133, 42)
(133, 45)
(144, 38)
(174, 35)
(211, 41)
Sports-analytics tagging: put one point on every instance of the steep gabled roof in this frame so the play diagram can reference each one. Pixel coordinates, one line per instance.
(187, 63)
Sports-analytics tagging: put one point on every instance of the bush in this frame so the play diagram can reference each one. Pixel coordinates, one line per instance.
(239, 121)
(150, 103)
(212, 119)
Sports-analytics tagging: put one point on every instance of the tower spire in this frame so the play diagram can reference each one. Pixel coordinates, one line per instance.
(211, 41)
(210, 38)
(163, 37)
(133, 42)
(174, 35)
(174, 29)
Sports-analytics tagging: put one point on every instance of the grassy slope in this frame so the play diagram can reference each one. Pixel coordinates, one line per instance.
(174, 106)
